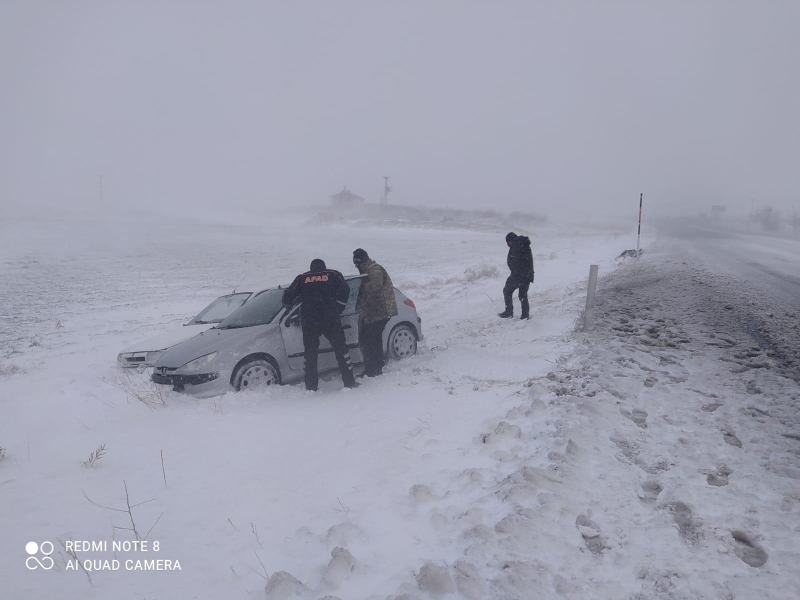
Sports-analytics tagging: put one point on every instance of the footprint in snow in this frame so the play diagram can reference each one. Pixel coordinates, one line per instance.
(730, 438)
(421, 493)
(711, 407)
(650, 489)
(639, 417)
(590, 532)
(688, 526)
(720, 478)
(747, 550)
(282, 585)
(503, 431)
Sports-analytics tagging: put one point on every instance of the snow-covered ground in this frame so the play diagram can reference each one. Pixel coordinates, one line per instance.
(308, 472)
(650, 458)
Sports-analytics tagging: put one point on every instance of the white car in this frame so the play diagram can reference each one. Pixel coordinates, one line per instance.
(261, 344)
(146, 353)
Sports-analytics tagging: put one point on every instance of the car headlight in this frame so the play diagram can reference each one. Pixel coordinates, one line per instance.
(198, 363)
(152, 357)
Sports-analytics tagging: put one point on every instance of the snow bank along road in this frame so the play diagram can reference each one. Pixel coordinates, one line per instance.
(700, 413)
(653, 458)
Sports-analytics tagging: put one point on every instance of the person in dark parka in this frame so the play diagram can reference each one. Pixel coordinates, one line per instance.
(323, 293)
(520, 263)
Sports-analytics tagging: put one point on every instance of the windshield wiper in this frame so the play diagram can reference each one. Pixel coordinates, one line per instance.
(233, 326)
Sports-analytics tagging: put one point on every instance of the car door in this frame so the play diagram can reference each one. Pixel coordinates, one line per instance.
(292, 333)
(351, 320)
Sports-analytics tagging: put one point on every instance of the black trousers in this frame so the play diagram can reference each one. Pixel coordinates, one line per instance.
(334, 333)
(513, 284)
(372, 347)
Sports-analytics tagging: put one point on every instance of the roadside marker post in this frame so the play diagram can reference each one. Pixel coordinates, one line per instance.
(639, 233)
(588, 314)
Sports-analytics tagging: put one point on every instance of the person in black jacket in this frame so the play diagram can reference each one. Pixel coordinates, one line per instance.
(323, 293)
(520, 262)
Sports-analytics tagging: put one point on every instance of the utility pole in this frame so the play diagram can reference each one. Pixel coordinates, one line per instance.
(386, 190)
(102, 203)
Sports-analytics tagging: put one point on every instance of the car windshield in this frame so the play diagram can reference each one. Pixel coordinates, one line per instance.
(220, 309)
(258, 311)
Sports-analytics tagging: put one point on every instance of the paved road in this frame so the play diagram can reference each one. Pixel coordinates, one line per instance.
(755, 279)
(769, 263)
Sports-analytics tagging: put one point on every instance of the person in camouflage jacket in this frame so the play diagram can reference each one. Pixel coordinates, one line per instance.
(378, 305)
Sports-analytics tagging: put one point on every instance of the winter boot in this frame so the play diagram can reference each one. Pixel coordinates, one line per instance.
(353, 385)
(524, 317)
(506, 314)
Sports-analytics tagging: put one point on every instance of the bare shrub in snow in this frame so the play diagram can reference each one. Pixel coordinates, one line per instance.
(12, 369)
(2, 453)
(140, 388)
(254, 529)
(473, 274)
(95, 456)
(74, 556)
(129, 510)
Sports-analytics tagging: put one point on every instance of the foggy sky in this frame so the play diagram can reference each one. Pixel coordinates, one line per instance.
(555, 107)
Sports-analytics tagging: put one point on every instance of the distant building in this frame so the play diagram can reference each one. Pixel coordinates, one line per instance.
(346, 199)
(717, 209)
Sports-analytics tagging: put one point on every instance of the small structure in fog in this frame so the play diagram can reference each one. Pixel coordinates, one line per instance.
(346, 199)
(717, 210)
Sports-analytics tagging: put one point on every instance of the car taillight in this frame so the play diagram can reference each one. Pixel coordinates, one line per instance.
(409, 302)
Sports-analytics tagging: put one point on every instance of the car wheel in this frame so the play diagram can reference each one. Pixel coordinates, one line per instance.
(256, 374)
(402, 342)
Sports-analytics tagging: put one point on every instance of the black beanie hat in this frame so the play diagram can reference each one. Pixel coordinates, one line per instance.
(318, 265)
(359, 256)
(511, 237)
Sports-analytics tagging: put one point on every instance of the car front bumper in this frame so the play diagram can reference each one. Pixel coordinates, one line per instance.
(178, 379)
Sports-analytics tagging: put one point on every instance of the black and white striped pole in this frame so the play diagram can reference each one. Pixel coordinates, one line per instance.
(639, 234)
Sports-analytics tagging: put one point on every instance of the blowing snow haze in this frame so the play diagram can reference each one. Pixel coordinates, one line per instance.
(555, 108)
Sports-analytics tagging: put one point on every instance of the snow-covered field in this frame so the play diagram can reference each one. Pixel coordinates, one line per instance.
(507, 459)
(308, 472)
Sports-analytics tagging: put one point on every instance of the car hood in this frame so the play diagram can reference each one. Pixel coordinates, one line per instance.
(168, 339)
(212, 340)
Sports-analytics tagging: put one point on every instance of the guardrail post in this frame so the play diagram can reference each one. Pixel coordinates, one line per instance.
(588, 314)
